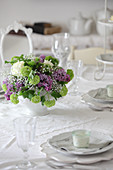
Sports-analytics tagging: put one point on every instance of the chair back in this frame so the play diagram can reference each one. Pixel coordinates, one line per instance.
(13, 44)
(88, 55)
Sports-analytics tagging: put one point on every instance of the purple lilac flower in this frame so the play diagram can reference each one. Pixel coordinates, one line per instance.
(11, 88)
(18, 86)
(61, 75)
(45, 81)
(42, 57)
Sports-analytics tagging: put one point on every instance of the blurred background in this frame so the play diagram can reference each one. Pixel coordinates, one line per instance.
(46, 17)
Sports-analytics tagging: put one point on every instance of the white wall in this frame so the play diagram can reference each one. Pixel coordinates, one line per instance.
(58, 12)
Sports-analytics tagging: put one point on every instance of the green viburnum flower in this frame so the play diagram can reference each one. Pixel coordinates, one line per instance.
(25, 71)
(63, 91)
(4, 87)
(49, 103)
(35, 80)
(14, 98)
(36, 99)
(70, 72)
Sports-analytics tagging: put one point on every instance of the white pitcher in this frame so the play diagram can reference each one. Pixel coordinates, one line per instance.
(80, 25)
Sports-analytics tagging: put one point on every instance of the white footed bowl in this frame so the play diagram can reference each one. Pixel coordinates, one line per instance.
(35, 109)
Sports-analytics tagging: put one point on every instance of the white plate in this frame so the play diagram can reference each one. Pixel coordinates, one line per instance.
(2, 96)
(69, 159)
(99, 143)
(105, 58)
(100, 95)
(95, 105)
(1, 91)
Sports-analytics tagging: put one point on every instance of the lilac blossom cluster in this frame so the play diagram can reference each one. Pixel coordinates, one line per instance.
(45, 81)
(12, 89)
(42, 57)
(37, 79)
(61, 75)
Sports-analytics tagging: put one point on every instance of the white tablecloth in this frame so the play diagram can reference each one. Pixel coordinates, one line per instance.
(68, 114)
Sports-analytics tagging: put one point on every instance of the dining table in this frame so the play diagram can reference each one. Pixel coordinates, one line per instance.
(69, 114)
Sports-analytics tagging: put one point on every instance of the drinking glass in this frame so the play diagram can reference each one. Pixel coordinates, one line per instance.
(77, 67)
(25, 129)
(61, 47)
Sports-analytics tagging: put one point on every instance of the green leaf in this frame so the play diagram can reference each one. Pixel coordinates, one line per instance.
(37, 59)
(28, 94)
(42, 99)
(31, 63)
(70, 72)
(56, 94)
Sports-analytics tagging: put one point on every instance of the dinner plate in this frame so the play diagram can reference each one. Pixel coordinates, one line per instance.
(99, 143)
(95, 105)
(105, 58)
(100, 95)
(1, 91)
(73, 159)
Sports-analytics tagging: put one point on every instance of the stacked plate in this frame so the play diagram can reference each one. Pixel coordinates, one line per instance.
(97, 99)
(61, 152)
(1, 94)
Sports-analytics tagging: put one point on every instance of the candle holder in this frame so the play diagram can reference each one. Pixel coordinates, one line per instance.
(110, 90)
(81, 138)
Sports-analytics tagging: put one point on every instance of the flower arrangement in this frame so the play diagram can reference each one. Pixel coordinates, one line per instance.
(39, 79)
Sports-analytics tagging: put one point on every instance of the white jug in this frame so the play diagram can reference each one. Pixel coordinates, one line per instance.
(80, 25)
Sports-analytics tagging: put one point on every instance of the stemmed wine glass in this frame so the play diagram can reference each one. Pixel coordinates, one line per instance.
(25, 129)
(77, 67)
(61, 47)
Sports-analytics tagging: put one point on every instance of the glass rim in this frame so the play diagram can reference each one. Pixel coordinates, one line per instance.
(25, 117)
(76, 132)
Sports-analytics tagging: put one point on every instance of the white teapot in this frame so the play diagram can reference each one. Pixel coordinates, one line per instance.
(80, 25)
(100, 15)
